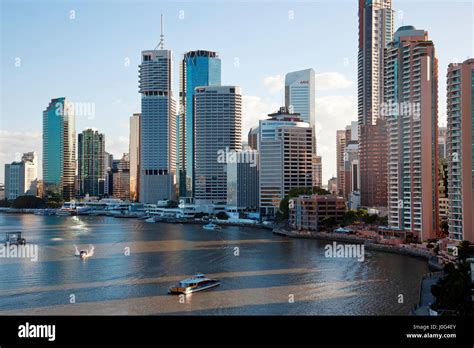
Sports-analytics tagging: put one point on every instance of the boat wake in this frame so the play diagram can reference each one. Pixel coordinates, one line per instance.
(84, 253)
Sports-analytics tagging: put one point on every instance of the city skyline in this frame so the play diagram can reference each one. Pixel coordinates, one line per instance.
(262, 84)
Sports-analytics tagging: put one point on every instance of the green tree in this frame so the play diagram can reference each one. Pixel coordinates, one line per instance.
(294, 192)
(28, 202)
(222, 215)
(444, 226)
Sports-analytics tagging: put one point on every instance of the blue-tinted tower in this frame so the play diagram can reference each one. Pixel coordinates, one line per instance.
(198, 68)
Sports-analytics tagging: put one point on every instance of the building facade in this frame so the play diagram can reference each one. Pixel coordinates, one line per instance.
(373, 157)
(340, 150)
(134, 154)
(59, 148)
(157, 128)
(242, 181)
(198, 69)
(121, 178)
(460, 147)
(411, 87)
(309, 212)
(21, 177)
(218, 131)
(91, 157)
(285, 158)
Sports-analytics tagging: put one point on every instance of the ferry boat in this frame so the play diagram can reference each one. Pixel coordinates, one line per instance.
(198, 283)
(212, 227)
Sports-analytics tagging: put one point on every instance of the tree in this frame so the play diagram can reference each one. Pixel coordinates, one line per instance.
(28, 202)
(222, 215)
(5, 203)
(294, 192)
(453, 292)
(171, 204)
(444, 226)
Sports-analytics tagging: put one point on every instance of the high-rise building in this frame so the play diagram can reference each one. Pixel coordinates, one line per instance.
(21, 177)
(376, 23)
(460, 103)
(91, 157)
(253, 138)
(134, 154)
(332, 185)
(317, 171)
(300, 94)
(218, 130)
(411, 110)
(340, 150)
(442, 142)
(121, 178)
(373, 157)
(351, 161)
(198, 69)
(59, 148)
(157, 128)
(443, 190)
(285, 146)
(242, 181)
(300, 98)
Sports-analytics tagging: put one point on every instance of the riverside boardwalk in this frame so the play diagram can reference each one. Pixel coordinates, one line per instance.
(369, 243)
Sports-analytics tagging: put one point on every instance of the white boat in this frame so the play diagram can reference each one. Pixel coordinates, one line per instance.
(64, 212)
(212, 227)
(197, 283)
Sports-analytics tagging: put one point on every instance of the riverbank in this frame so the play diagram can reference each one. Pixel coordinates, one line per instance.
(369, 243)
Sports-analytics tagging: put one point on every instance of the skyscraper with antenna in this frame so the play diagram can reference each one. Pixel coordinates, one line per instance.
(157, 125)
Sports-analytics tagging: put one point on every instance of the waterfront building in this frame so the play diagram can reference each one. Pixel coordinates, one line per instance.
(91, 157)
(218, 132)
(376, 25)
(21, 177)
(157, 127)
(242, 181)
(198, 68)
(442, 142)
(121, 178)
(311, 212)
(286, 158)
(134, 154)
(59, 148)
(373, 157)
(411, 86)
(340, 150)
(460, 140)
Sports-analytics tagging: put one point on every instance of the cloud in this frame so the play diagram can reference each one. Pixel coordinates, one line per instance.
(255, 109)
(116, 146)
(332, 113)
(328, 81)
(274, 84)
(331, 81)
(14, 144)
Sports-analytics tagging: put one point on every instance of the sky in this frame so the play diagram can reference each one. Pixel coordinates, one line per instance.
(89, 51)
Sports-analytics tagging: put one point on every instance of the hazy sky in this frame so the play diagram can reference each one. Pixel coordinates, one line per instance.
(89, 51)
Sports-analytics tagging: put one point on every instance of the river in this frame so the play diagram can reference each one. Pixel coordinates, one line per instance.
(135, 262)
